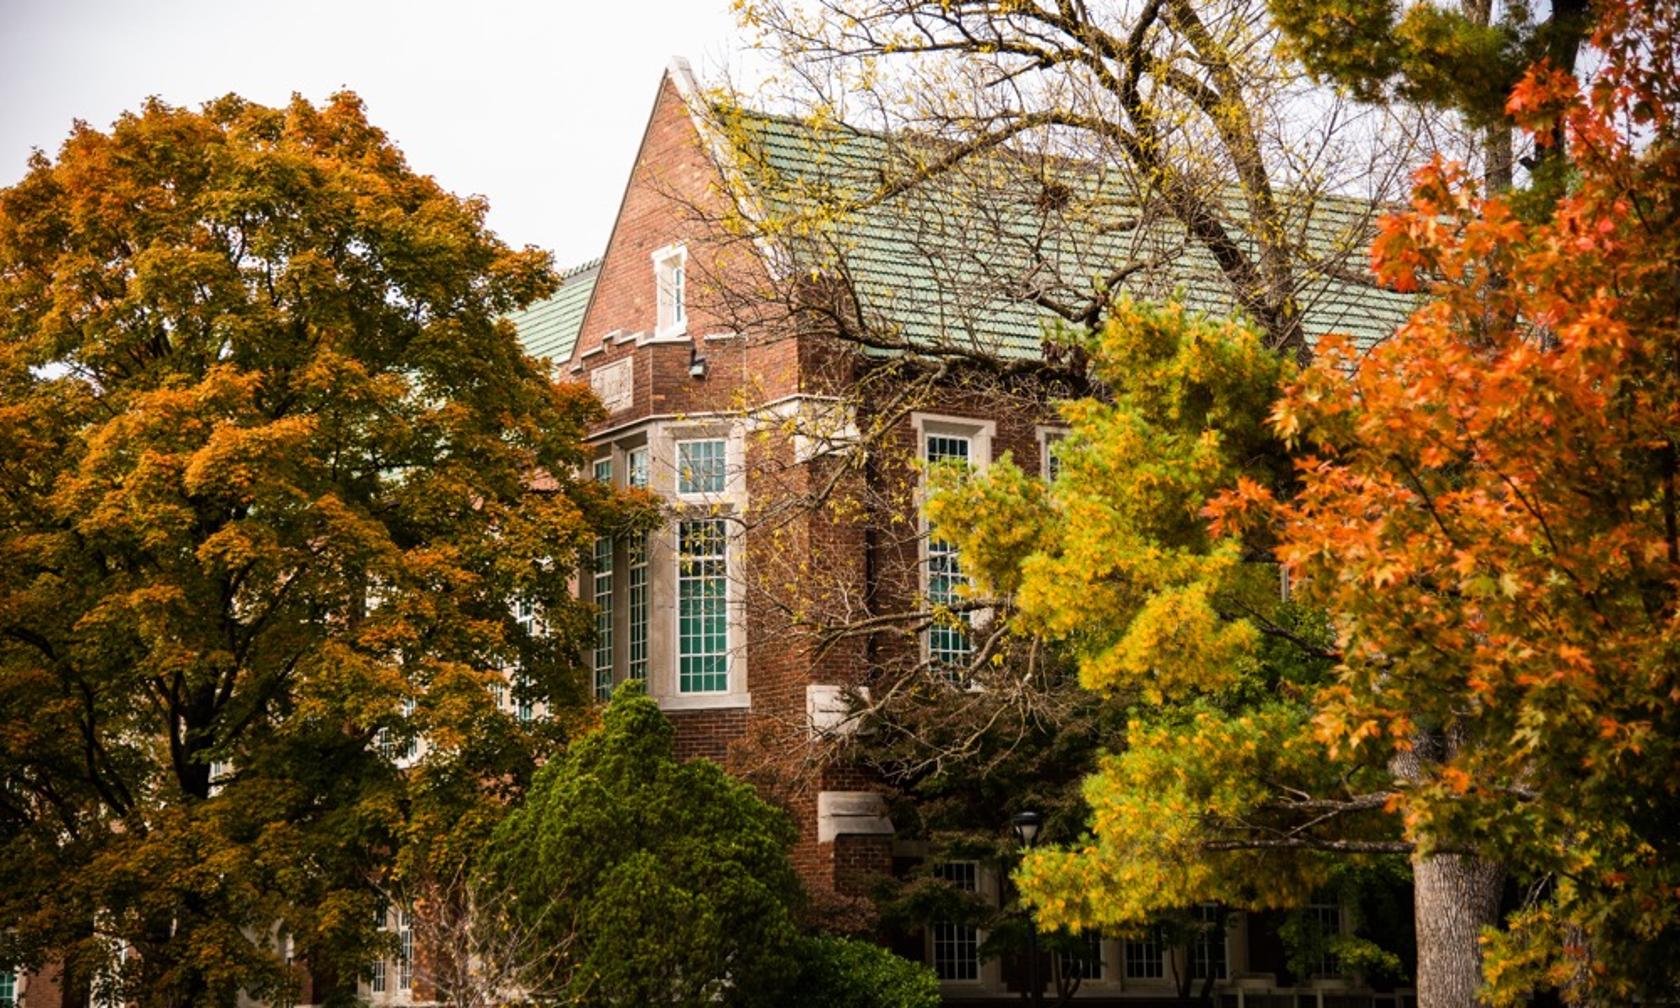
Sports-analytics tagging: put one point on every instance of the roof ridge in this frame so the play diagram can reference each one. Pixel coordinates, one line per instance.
(582, 267)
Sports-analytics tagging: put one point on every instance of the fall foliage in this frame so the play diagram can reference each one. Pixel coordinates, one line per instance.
(1489, 508)
(266, 497)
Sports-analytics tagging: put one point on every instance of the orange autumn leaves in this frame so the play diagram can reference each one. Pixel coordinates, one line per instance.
(1487, 503)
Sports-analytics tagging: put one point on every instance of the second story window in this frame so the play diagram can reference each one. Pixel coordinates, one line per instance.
(700, 466)
(636, 664)
(636, 467)
(670, 267)
(702, 606)
(947, 641)
(603, 470)
(603, 577)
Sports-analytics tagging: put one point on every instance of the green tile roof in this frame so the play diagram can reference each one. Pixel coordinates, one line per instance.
(956, 262)
(550, 328)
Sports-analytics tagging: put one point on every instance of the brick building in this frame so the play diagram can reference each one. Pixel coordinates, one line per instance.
(734, 388)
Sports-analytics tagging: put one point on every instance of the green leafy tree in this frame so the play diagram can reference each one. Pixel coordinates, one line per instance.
(1213, 788)
(269, 481)
(652, 882)
(849, 973)
(1490, 509)
(1465, 56)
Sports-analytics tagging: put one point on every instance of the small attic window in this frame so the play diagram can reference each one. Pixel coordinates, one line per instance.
(670, 286)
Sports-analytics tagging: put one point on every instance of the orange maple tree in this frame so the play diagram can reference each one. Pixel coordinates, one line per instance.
(1490, 508)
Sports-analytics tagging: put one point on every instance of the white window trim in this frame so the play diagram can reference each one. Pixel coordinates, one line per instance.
(731, 634)
(659, 436)
(1048, 434)
(729, 467)
(980, 435)
(662, 259)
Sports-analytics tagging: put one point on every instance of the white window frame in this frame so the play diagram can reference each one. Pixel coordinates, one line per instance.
(980, 435)
(1154, 942)
(670, 291)
(729, 549)
(1048, 436)
(677, 464)
(977, 935)
(636, 467)
(405, 949)
(601, 573)
(637, 592)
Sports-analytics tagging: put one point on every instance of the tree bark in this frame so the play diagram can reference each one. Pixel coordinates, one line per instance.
(1454, 897)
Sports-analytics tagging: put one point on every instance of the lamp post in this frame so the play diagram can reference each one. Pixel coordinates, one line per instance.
(1025, 825)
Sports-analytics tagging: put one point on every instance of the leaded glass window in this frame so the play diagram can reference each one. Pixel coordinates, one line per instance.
(405, 950)
(702, 606)
(700, 466)
(603, 583)
(947, 638)
(636, 656)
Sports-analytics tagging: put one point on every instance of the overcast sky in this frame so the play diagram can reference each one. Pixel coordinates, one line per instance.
(536, 105)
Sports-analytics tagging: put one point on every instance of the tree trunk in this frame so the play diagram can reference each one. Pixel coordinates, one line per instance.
(1454, 897)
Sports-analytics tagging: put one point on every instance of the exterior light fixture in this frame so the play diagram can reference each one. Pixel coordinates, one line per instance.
(696, 365)
(1025, 825)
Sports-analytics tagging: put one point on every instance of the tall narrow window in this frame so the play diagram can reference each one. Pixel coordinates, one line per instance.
(1052, 445)
(636, 467)
(405, 950)
(376, 969)
(702, 606)
(410, 747)
(636, 656)
(603, 575)
(525, 614)
(1207, 952)
(1325, 915)
(947, 641)
(670, 266)
(8, 988)
(524, 705)
(700, 466)
(956, 947)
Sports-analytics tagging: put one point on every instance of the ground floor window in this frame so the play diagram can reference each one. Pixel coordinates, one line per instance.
(956, 947)
(1207, 952)
(1143, 957)
(1086, 961)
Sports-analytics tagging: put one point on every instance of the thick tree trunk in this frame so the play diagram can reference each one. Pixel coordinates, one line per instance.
(1455, 896)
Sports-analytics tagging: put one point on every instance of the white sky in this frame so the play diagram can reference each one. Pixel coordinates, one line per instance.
(536, 105)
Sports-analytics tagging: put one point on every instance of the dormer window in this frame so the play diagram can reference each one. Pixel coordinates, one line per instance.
(669, 266)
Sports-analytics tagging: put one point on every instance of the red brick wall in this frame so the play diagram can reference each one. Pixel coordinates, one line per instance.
(817, 559)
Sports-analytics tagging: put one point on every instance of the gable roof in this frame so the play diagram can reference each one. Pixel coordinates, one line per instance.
(959, 262)
(549, 328)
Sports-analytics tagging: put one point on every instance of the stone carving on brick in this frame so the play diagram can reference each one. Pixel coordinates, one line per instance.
(613, 384)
